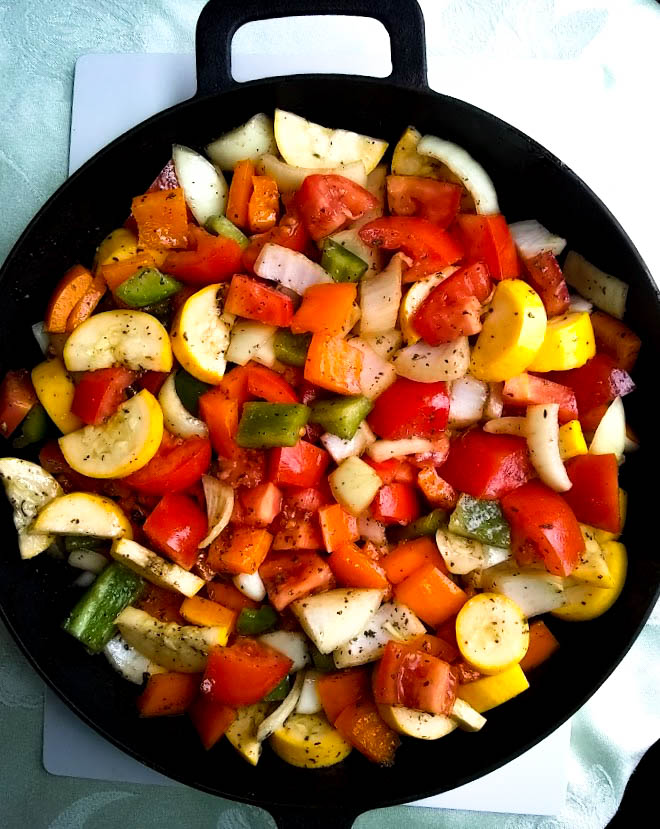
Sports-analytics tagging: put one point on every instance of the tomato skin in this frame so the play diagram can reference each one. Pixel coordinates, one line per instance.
(541, 521)
(410, 409)
(545, 276)
(327, 202)
(301, 465)
(99, 393)
(437, 201)
(214, 259)
(175, 528)
(243, 673)
(594, 496)
(262, 504)
(487, 466)
(527, 389)
(415, 679)
(246, 467)
(177, 465)
(17, 397)
(289, 233)
(250, 298)
(291, 575)
(488, 239)
(595, 383)
(395, 503)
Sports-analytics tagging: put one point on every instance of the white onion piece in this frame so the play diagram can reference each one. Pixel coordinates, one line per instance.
(377, 374)
(467, 400)
(543, 445)
(610, 435)
(475, 179)
(291, 643)
(289, 178)
(88, 560)
(579, 304)
(289, 268)
(605, 291)
(383, 450)
(309, 701)
(431, 363)
(385, 343)
(176, 417)
(631, 444)
(128, 661)
(41, 336)
(350, 239)
(534, 591)
(85, 579)
(251, 340)
(340, 448)
(280, 715)
(380, 296)
(371, 530)
(507, 426)
(532, 238)
(250, 585)
(495, 403)
(219, 507)
(251, 140)
(204, 186)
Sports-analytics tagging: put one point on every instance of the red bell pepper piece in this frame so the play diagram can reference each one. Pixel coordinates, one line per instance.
(430, 247)
(221, 416)
(594, 496)
(255, 300)
(243, 673)
(395, 504)
(291, 575)
(177, 465)
(410, 409)
(309, 499)
(453, 308)
(528, 390)
(152, 381)
(267, 384)
(595, 383)
(488, 239)
(289, 233)
(175, 528)
(394, 469)
(211, 720)
(437, 201)
(213, 259)
(487, 466)
(99, 393)
(300, 465)
(234, 385)
(545, 276)
(327, 202)
(17, 397)
(262, 504)
(615, 339)
(541, 521)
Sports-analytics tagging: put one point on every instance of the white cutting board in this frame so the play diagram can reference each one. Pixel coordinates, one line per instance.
(113, 93)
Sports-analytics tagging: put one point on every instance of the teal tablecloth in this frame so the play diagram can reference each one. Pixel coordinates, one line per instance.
(39, 43)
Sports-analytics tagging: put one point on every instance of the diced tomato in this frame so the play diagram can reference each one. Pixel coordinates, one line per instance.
(301, 532)
(165, 180)
(430, 247)
(594, 496)
(544, 275)
(243, 673)
(364, 728)
(262, 504)
(431, 645)
(465, 673)
(453, 308)
(152, 381)
(395, 503)
(595, 383)
(410, 409)
(291, 575)
(487, 466)
(17, 397)
(339, 689)
(248, 297)
(247, 467)
(309, 499)
(211, 720)
(353, 568)
(212, 259)
(414, 679)
(176, 527)
(267, 384)
(99, 393)
(528, 390)
(541, 519)
(437, 491)
(389, 470)
(301, 465)
(409, 556)
(176, 466)
(229, 596)
(168, 694)
(327, 202)
(289, 233)
(488, 239)
(337, 527)
(615, 339)
(437, 201)
(221, 416)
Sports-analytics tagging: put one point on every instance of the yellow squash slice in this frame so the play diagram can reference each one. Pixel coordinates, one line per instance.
(55, 390)
(309, 742)
(492, 632)
(83, 513)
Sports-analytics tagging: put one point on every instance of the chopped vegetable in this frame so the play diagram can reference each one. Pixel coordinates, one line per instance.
(430, 594)
(289, 268)
(492, 633)
(271, 424)
(243, 673)
(56, 392)
(569, 342)
(176, 528)
(254, 300)
(334, 364)
(17, 398)
(221, 226)
(482, 520)
(426, 525)
(307, 740)
(250, 140)
(264, 204)
(341, 263)
(147, 287)
(542, 431)
(605, 291)
(155, 569)
(161, 218)
(251, 622)
(326, 309)
(291, 348)
(532, 238)
(240, 191)
(491, 691)
(203, 184)
(167, 694)
(542, 644)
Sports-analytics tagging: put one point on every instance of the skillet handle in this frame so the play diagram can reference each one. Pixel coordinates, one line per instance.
(220, 20)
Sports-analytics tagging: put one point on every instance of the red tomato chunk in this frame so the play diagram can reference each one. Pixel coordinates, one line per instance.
(437, 201)
(243, 673)
(255, 300)
(291, 575)
(409, 409)
(327, 203)
(301, 465)
(99, 393)
(414, 679)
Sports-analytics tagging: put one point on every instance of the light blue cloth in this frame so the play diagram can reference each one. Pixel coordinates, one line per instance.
(39, 43)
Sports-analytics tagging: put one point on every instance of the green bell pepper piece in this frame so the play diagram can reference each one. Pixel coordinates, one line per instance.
(251, 621)
(279, 692)
(34, 428)
(92, 620)
(189, 389)
(341, 416)
(291, 348)
(426, 525)
(148, 287)
(341, 263)
(73, 543)
(271, 424)
(221, 226)
(482, 520)
(323, 662)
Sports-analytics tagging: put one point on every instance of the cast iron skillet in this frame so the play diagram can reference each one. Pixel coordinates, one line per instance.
(531, 183)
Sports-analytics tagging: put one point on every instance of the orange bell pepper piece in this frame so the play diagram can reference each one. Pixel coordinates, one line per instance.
(615, 339)
(365, 730)
(337, 527)
(220, 414)
(431, 595)
(437, 491)
(240, 191)
(162, 219)
(325, 309)
(114, 273)
(226, 594)
(244, 552)
(69, 290)
(333, 364)
(340, 689)
(199, 611)
(542, 644)
(264, 204)
(86, 306)
(167, 695)
(409, 556)
(211, 719)
(162, 604)
(354, 568)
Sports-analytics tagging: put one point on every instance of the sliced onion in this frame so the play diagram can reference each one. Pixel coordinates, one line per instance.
(605, 291)
(176, 417)
(85, 579)
(128, 661)
(41, 336)
(543, 445)
(531, 238)
(534, 591)
(372, 530)
(495, 403)
(88, 560)
(466, 404)
(280, 715)
(291, 643)
(251, 340)
(204, 186)
(610, 435)
(380, 296)
(309, 701)
(432, 363)
(340, 449)
(383, 450)
(250, 585)
(219, 507)
(289, 178)
(377, 373)
(289, 268)
(579, 303)
(507, 426)
(250, 140)
(473, 176)
(385, 343)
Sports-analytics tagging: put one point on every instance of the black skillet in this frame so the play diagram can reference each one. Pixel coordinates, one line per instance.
(531, 183)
